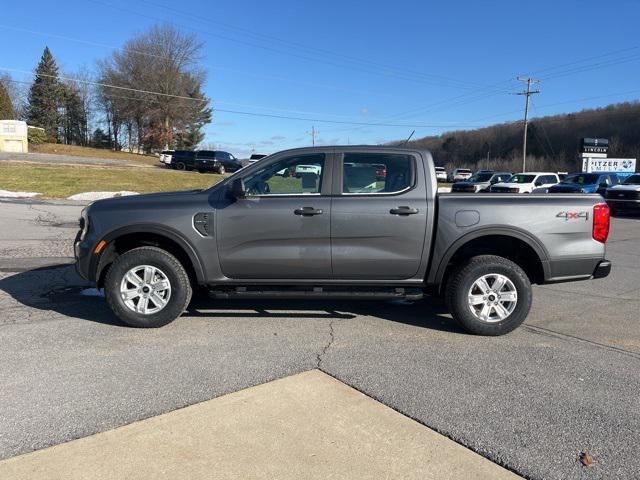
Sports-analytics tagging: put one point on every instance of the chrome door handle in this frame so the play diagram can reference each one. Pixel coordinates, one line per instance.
(308, 211)
(403, 211)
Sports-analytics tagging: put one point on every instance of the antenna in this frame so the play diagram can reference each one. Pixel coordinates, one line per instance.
(409, 137)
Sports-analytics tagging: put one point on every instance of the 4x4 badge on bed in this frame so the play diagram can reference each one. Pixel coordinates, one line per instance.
(573, 215)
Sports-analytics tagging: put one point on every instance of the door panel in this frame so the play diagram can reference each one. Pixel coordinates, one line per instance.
(282, 228)
(263, 237)
(367, 239)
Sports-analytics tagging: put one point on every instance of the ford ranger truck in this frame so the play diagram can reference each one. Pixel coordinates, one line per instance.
(336, 229)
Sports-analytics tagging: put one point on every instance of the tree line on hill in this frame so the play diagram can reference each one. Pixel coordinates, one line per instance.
(146, 96)
(553, 142)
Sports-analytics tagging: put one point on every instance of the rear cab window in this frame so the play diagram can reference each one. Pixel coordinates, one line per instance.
(377, 173)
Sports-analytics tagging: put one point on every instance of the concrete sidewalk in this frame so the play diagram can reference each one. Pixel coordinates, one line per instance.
(305, 426)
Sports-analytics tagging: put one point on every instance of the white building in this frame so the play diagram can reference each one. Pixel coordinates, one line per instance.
(13, 136)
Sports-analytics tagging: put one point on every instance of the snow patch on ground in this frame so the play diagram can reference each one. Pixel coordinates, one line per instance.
(9, 194)
(100, 195)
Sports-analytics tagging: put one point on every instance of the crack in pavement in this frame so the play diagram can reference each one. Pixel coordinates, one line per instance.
(566, 336)
(320, 355)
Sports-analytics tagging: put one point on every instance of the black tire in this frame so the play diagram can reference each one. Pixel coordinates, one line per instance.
(179, 280)
(463, 278)
(181, 166)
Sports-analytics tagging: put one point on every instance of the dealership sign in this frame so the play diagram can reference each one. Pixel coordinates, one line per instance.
(595, 145)
(617, 165)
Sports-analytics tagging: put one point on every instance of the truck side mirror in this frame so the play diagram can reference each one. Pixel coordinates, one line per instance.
(237, 190)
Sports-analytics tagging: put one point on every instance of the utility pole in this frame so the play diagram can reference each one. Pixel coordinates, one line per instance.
(527, 94)
(313, 134)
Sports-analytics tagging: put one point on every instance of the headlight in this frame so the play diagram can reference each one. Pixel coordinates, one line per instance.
(84, 223)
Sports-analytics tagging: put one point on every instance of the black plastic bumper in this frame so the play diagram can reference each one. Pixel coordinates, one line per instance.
(602, 269)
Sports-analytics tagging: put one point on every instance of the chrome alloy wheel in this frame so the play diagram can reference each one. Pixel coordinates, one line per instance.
(492, 298)
(145, 289)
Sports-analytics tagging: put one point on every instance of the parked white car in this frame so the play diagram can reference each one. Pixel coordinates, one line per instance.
(461, 174)
(441, 174)
(165, 157)
(527, 182)
(301, 169)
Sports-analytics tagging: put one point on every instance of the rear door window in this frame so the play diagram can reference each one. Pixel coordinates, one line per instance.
(375, 173)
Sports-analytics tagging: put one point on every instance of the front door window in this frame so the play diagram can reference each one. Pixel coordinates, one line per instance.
(299, 175)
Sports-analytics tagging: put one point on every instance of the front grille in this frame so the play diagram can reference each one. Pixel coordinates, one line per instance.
(623, 195)
(463, 188)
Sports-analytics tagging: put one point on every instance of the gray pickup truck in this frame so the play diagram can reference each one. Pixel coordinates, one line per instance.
(340, 222)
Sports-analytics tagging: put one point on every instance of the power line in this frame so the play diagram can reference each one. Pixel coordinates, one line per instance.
(388, 69)
(544, 131)
(211, 67)
(239, 112)
(349, 65)
(100, 84)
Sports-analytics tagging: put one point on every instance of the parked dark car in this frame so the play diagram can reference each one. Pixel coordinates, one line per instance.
(228, 161)
(481, 181)
(625, 195)
(205, 161)
(586, 183)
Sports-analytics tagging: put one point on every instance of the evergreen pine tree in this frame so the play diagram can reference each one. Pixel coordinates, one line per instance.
(44, 96)
(6, 107)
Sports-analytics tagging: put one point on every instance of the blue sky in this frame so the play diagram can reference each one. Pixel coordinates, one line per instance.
(423, 65)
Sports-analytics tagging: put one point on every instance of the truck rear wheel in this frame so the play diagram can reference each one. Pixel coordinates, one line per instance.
(489, 295)
(147, 287)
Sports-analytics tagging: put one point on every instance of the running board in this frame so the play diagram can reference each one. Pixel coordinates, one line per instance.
(318, 292)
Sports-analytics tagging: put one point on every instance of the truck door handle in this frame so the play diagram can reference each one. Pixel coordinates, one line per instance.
(403, 211)
(308, 211)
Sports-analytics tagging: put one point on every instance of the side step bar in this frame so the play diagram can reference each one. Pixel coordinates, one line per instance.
(318, 292)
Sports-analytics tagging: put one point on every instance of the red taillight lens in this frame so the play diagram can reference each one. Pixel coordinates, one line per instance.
(601, 222)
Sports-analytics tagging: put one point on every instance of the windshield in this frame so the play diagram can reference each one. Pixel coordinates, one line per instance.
(633, 180)
(520, 178)
(582, 179)
(463, 170)
(481, 177)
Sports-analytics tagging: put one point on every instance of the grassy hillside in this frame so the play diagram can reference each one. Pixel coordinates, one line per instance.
(553, 141)
(78, 151)
(64, 181)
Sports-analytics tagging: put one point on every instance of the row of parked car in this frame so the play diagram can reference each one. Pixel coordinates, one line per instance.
(619, 194)
(203, 161)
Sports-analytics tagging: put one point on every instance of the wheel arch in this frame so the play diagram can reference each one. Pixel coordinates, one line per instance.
(514, 244)
(132, 236)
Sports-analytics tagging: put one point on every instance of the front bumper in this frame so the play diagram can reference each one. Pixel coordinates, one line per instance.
(82, 253)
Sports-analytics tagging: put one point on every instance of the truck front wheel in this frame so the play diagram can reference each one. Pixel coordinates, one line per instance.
(147, 287)
(489, 295)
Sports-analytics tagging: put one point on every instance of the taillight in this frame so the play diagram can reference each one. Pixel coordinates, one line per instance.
(601, 222)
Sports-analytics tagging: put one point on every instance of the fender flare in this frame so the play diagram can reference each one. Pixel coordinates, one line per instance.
(155, 229)
(513, 232)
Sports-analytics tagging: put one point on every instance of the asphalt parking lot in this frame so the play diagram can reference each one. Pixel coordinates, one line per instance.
(564, 383)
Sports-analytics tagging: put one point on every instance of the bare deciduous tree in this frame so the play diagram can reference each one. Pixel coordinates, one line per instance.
(164, 61)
